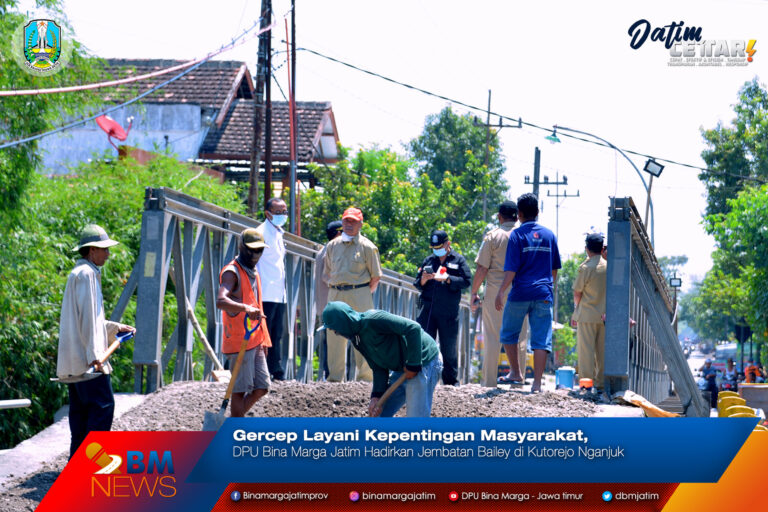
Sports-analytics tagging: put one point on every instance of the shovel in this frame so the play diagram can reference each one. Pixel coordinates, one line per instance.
(391, 389)
(91, 373)
(219, 374)
(214, 421)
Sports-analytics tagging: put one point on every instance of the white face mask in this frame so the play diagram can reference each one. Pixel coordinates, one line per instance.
(346, 238)
(279, 220)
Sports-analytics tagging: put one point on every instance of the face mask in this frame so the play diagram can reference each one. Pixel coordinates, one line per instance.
(346, 238)
(279, 220)
(439, 252)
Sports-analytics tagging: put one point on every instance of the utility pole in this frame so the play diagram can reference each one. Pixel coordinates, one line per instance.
(488, 147)
(487, 156)
(545, 182)
(295, 226)
(258, 108)
(557, 195)
(268, 124)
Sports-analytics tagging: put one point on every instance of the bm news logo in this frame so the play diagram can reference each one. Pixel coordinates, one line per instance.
(147, 475)
(687, 47)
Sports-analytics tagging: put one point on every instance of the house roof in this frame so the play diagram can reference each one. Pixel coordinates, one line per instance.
(317, 133)
(213, 85)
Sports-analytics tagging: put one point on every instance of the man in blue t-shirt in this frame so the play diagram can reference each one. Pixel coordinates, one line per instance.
(531, 267)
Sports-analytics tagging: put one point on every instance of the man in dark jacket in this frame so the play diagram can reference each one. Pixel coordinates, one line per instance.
(441, 278)
(391, 343)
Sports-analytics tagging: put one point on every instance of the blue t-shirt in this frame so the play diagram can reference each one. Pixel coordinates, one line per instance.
(532, 254)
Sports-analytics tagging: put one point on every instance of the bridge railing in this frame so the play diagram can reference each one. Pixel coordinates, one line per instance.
(189, 241)
(642, 352)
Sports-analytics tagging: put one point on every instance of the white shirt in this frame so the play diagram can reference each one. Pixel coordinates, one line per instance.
(271, 265)
(83, 331)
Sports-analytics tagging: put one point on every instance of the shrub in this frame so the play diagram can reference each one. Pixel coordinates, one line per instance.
(36, 257)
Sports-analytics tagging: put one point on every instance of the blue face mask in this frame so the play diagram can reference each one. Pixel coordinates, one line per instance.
(439, 252)
(279, 220)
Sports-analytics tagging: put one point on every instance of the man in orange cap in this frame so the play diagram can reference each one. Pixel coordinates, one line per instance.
(352, 270)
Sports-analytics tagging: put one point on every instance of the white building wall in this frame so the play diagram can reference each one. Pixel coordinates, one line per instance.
(181, 123)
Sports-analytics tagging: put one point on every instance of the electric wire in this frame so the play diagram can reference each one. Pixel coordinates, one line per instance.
(520, 121)
(235, 42)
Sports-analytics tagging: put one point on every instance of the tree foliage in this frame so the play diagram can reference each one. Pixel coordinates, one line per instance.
(455, 145)
(736, 155)
(28, 115)
(743, 232)
(566, 277)
(36, 256)
(400, 209)
(671, 265)
(733, 291)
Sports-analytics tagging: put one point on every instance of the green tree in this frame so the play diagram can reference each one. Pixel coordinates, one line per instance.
(400, 208)
(566, 278)
(36, 256)
(671, 265)
(28, 115)
(454, 144)
(737, 161)
(743, 232)
(737, 155)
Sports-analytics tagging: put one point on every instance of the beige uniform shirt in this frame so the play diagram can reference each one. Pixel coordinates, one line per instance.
(492, 253)
(591, 282)
(354, 262)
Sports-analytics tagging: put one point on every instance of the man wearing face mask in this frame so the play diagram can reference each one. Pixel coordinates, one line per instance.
(271, 268)
(239, 296)
(352, 270)
(441, 278)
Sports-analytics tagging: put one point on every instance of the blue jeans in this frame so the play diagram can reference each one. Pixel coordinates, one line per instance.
(415, 393)
(539, 320)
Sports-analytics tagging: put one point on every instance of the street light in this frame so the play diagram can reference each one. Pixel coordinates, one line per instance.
(653, 168)
(653, 225)
(675, 283)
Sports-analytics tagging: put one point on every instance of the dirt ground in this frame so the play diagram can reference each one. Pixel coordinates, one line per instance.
(181, 406)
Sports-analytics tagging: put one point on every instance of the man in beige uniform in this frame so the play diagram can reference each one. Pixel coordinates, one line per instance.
(490, 264)
(352, 271)
(589, 308)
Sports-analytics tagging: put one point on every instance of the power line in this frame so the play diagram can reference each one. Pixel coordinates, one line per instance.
(235, 42)
(519, 119)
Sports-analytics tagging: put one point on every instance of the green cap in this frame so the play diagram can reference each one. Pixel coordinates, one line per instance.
(253, 239)
(95, 236)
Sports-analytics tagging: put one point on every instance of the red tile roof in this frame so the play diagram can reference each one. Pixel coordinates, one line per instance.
(233, 140)
(208, 86)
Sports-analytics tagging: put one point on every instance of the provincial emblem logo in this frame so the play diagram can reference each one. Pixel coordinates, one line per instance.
(42, 45)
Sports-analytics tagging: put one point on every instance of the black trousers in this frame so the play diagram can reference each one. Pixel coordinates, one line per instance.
(275, 312)
(91, 408)
(445, 329)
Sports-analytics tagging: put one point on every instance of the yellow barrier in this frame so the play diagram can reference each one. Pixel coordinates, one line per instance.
(726, 402)
(737, 409)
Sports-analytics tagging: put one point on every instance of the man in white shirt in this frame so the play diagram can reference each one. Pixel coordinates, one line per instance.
(84, 336)
(271, 268)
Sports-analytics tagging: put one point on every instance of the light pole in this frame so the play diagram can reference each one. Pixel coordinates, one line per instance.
(647, 190)
(653, 168)
(675, 283)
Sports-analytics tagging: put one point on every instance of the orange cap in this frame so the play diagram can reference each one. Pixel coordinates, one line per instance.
(353, 213)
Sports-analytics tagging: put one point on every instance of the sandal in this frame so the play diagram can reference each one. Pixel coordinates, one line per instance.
(505, 379)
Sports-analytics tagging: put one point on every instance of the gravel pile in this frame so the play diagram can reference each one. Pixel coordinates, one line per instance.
(181, 406)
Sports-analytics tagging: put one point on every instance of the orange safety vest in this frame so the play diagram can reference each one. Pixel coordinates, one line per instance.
(751, 373)
(234, 326)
